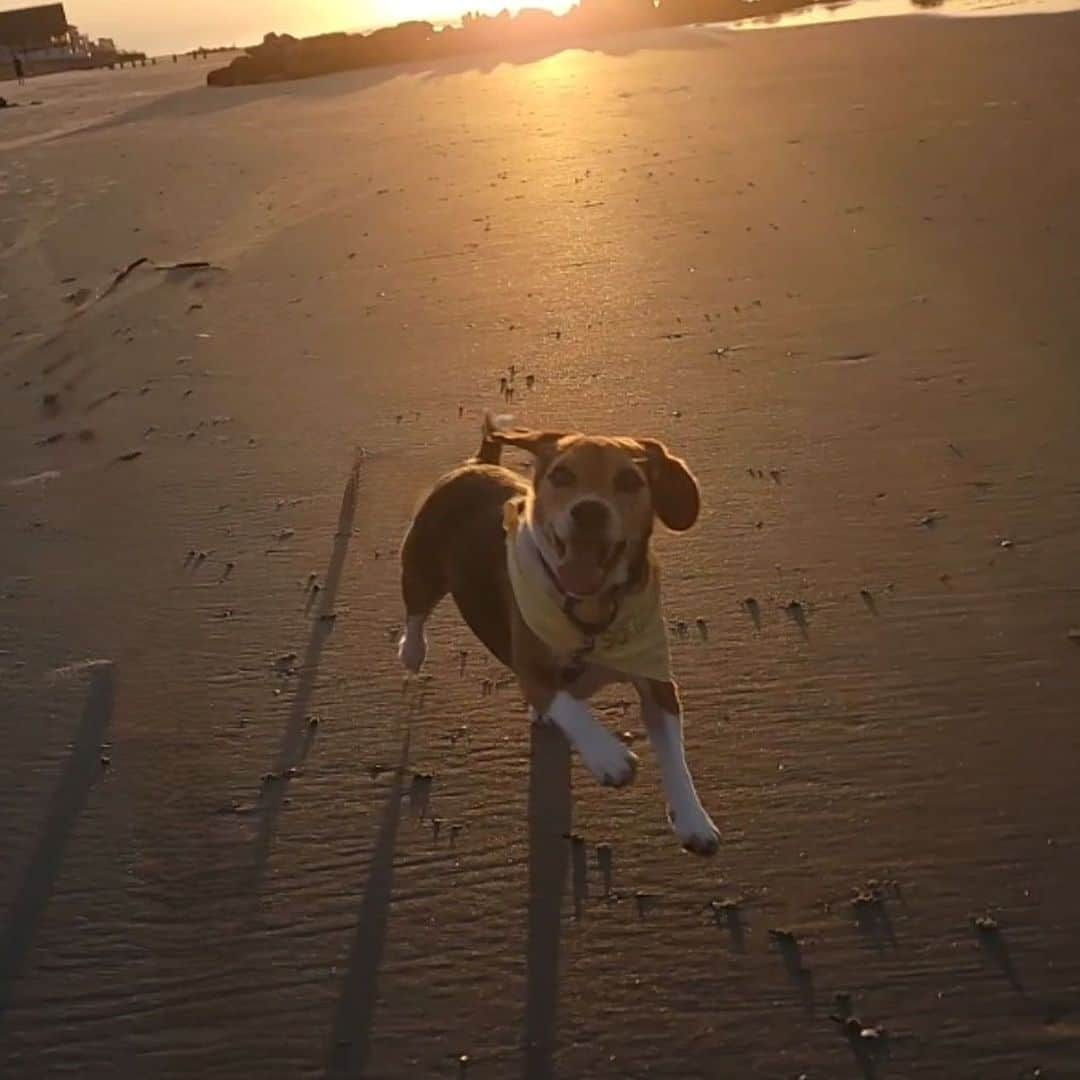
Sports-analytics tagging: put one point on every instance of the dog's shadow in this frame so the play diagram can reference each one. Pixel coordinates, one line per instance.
(549, 857)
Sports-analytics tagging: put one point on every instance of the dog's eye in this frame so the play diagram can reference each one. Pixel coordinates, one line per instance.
(627, 481)
(561, 476)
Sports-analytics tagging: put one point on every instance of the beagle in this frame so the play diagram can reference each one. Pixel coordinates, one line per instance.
(557, 579)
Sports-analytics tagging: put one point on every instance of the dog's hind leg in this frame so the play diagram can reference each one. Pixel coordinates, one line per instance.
(423, 585)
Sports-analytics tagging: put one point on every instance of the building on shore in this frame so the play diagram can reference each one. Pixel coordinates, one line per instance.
(44, 41)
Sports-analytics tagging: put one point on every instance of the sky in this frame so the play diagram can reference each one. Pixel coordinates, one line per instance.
(155, 27)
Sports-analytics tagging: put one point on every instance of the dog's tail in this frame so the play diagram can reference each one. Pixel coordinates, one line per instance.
(490, 452)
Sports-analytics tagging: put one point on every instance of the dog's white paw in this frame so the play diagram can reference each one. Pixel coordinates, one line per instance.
(608, 759)
(695, 829)
(412, 646)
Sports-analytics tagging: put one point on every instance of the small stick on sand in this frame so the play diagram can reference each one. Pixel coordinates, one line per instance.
(127, 271)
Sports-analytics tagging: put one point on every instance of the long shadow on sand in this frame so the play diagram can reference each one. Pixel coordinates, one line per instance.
(69, 798)
(549, 856)
(296, 741)
(206, 101)
(356, 1007)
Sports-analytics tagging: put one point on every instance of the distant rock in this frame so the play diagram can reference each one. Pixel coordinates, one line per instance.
(281, 56)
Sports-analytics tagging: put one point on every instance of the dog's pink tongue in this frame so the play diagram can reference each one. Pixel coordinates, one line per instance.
(580, 576)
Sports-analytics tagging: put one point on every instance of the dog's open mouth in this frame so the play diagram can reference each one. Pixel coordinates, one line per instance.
(584, 574)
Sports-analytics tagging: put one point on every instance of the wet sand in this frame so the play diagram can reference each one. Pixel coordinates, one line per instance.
(836, 269)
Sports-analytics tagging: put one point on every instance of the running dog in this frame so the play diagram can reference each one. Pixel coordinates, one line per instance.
(557, 578)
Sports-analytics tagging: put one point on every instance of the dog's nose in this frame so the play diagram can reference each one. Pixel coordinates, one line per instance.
(590, 515)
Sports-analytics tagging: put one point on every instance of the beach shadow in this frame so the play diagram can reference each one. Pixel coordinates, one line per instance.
(605, 863)
(729, 917)
(579, 875)
(753, 609)
(204, 101)
(359, 994)
(801, 977)
(869, 1056)
(797, 614)
(996, 951)
(298, 735)
(549, 855)
(872, 919)
(83, 768)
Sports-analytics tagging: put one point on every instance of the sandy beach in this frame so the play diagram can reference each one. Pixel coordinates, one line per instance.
(836, 269)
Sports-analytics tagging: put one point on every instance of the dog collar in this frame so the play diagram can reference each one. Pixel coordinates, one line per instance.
(570, 602)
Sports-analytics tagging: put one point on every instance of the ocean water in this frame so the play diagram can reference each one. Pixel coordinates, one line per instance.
(847, 10)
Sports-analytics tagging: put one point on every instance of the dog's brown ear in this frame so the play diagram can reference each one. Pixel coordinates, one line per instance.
(675, 492)
(540, 443)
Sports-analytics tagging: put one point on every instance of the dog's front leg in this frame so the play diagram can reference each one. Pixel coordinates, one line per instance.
(662, 713)
(605, 756)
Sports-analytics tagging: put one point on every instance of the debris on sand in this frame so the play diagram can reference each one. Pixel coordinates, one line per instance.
(930, 519)
(727, 914)
(187, 264)
(286, 663)
(868, 905)
(280, 776)
(37, 478)
(130, 455)
(127, 271)
(784, 938)
(868, 1035)
(985, 925)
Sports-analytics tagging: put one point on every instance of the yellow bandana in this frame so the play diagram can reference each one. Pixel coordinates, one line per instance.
(636, 642)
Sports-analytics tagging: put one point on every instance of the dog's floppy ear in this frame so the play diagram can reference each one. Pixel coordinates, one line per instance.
(539, 443)
(675, 492)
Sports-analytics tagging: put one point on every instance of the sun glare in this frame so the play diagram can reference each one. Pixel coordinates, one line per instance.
(394, 11)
